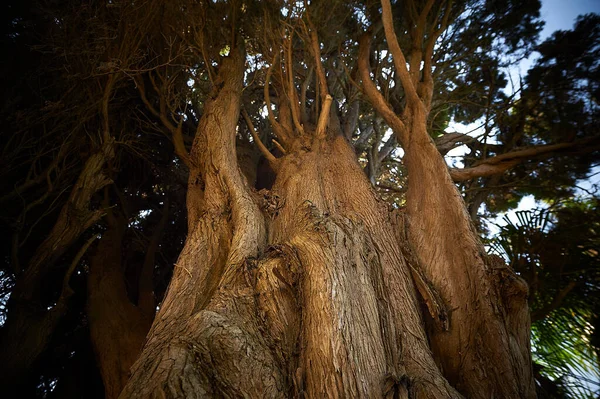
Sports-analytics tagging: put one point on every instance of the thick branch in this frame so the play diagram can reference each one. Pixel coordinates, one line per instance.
(375, 97)
(66, 291)
(314, 40)
(321, 131)
(279, 130)
(397, 54)
(292, 94)
(449, 141)
(428, 57)
(503, 162)
(264, 150)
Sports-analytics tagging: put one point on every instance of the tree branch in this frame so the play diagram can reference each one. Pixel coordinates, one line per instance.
(503, 162)
(279, 130)
(176, 132)
(375, 97)
(66, 291)
(396, 51)
(321, 131)
(264, 150)
(543, 312)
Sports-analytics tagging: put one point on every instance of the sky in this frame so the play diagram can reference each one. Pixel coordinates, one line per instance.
(561, 14)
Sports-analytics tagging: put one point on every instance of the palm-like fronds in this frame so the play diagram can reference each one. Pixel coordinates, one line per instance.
(556, 251)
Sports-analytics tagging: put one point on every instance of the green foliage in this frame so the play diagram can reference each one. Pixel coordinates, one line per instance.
(556, 251)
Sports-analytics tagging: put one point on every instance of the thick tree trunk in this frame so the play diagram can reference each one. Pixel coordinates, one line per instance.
(483, 349)
(359, 328)
(204, 340)
(323, 305)
(30, 320)
(486, 351)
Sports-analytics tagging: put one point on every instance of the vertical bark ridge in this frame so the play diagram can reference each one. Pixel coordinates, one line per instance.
(206, 339)
(360, 325)
(477, 354)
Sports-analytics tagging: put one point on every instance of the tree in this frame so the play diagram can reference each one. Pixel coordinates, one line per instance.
(323, 217)
(295, 277)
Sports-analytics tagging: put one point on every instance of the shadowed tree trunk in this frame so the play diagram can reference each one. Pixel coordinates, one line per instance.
(118, 327)
(31, 319)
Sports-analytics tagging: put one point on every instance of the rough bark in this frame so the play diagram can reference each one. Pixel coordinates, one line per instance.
(485, 353)
(485, 350)
(30, 320)
(203, 341)
(321, 306)
(360, 329)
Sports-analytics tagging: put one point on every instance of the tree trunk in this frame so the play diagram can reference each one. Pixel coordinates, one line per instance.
(207, 314)
(118, 328)
(486, 351)
(322, 305)
(483, 349)
(31, 320)
(357, 329)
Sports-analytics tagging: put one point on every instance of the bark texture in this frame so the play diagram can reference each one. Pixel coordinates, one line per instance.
(312, 288)
(204, 341)
(302, 290)
(360, 332)
(484, 351)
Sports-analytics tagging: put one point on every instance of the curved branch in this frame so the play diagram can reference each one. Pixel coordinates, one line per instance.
(176, 133)
(503, 162)
(397, 54)
(375, 97)
(279, 130)
(314, 41)
(292, 94)
(321, 131)
(264, 150)
(66, 291)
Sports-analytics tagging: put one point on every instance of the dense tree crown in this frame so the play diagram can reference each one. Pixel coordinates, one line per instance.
(278, 199)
